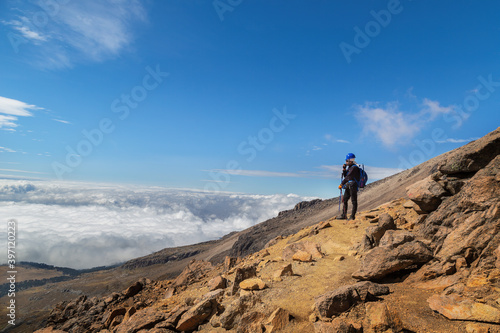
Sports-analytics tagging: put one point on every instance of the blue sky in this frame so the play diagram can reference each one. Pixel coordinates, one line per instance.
(237, 95)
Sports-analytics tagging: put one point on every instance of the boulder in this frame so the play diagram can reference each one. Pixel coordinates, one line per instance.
(386, 222)
(113, 314)
(368, 291)
(472, 157)
(252, 284)
(379, 318)
(235, 310)
(302, 256)
(277, 321)
(251, 322)
(242, 273)
(395, 238)
(374, 234)
(133, 289)
(200, 312)
(193, 272)
(456, 307)
(336, 302)
(229, 263)
(173, 317)
(382, 261)
(427, 194)
(337, 325)
(285, 271)
(143, 319)
(342, 299)
(217, 282)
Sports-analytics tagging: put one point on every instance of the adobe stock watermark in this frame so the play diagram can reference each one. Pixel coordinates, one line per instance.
(37, 21)
(11, 270)
(122, 107)
(249, 148)
(373, 28)
(223, 6)
(469, 105)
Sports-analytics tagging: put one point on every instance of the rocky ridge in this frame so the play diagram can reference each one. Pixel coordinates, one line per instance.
(426, 262)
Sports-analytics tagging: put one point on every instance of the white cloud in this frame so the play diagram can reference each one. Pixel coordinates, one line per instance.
(324, 172)
(85, 225)
(7, 123)
(16, 108)
(434, 109)
(78, 31)
(62, 121)
(330, 138)
(393, 126)
(374, 173)
(388, 124)
(11, 109)
(6, 150)
(451, 140)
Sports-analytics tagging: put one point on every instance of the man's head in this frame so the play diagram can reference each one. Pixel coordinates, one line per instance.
(350, 159)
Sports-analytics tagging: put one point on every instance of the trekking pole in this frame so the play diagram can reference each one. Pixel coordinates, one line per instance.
(340, 197)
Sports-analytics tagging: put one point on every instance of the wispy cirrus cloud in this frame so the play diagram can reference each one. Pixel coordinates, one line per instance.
(322, 172)
(452, 140)
(375, 173)
(75, 32)
(393, 126)
(11, 109)
(62, 121)
(332, 139)
(6, 150)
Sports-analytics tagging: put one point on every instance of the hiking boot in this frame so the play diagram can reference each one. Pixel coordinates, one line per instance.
(342, 217)
(353, 217)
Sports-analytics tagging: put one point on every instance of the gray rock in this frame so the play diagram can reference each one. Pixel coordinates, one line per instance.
(336, 302)
(382, 261)
(396, 238)
(197, 315)
(342, 299)
(386, 222)
(427, 194)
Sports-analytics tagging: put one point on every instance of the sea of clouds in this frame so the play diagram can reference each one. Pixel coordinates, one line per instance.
(83, 225)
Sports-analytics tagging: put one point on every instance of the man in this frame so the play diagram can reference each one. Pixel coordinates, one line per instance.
(351, 177)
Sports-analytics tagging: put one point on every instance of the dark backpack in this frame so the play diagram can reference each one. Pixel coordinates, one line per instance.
(363, 176)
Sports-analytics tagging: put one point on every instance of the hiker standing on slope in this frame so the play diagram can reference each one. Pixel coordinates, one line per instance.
(351, 177)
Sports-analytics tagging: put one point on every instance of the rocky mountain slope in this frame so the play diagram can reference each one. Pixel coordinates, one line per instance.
(423, 256)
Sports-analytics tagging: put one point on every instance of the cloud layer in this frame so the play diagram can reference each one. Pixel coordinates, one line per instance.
(87, 225)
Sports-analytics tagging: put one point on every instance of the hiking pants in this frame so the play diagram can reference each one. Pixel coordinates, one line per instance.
(351, 192)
